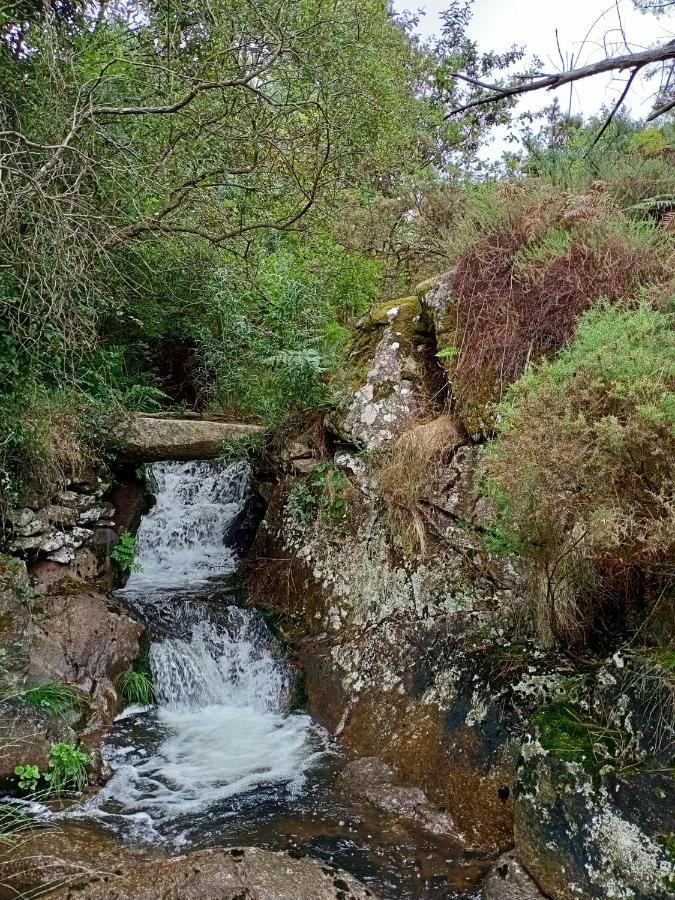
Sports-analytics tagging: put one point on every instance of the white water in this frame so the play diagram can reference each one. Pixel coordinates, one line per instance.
(221, 726)
(181, 541)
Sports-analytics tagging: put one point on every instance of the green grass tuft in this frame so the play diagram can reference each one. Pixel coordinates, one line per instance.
(136, 688)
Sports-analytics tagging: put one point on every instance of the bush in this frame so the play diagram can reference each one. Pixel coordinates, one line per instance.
(583, 470)
(532, 261)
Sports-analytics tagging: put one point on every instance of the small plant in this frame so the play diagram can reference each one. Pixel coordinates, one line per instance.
(67, 769)
(333, 501)
(59, 699)
(29, 776)
(136, 688)
(123, 554)
(301, 503)
(242, 447)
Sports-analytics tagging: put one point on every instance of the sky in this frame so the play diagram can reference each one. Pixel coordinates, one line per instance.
(584, 27)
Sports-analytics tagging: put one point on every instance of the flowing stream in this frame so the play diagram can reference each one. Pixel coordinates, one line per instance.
(221, 758)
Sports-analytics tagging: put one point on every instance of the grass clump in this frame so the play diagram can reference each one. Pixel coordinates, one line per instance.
(67, 769)
(407, 473)
(584, 471)
(60, 699)
(136, 687)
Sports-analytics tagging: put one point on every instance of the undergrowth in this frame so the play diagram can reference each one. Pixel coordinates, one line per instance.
(583, 469)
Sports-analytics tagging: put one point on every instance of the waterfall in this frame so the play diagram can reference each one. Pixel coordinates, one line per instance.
(221, 726)
(182, 542)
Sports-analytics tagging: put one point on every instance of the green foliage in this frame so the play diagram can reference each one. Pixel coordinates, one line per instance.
(286, 328)
(583, 465)
(301, 502)
(325, 494)
(67, 769)
(28, 777)
(566, 735)
(243, 447)
(123, 554)
(136, 687)
(59, 699)
(332, 486)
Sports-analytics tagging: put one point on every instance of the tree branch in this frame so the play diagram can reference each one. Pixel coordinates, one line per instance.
(634, 61)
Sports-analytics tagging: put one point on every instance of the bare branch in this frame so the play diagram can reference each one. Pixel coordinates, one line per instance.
(634, 61)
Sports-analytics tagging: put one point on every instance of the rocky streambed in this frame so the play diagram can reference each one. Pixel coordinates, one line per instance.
(399, 722)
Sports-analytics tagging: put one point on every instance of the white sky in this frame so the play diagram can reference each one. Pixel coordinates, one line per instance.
(497, 24)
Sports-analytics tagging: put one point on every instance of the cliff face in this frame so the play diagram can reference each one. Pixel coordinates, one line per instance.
(415, 649)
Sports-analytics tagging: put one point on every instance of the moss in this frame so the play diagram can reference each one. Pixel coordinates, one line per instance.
(408, 308)
(667, 841)
(425, 286)
(565, 735)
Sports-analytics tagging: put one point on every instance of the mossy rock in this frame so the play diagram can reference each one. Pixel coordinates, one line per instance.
(405, 310)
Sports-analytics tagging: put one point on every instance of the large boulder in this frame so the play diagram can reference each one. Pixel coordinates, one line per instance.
(76, 639)
(408, 658)
(150, 438)
(73, 863)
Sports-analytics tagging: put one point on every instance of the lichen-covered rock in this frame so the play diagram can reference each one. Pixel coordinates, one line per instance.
(391, 349)
(508, 880)
(598, 837)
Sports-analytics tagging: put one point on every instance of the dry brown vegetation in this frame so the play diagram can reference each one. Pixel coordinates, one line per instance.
(408, 473)
(524, 276)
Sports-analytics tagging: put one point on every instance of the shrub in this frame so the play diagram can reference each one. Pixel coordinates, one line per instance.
(584, 470)
(529, 271)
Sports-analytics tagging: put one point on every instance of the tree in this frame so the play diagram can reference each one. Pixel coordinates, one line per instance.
(217, 121)
(661, 58)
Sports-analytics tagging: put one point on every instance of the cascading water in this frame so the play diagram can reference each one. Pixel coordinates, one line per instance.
(221, 725)
(220, 759)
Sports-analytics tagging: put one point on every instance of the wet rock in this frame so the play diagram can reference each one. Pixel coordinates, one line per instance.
(375, 781)
(594, 836)
(26, 736)
(151, 439)
(508, 880)
(76, 864)
(76, 639)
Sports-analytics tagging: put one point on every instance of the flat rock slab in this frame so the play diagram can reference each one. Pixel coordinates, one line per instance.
(151, 439)
(77, 863)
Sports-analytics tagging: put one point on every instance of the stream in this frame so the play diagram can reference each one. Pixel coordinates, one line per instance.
(221, 758)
